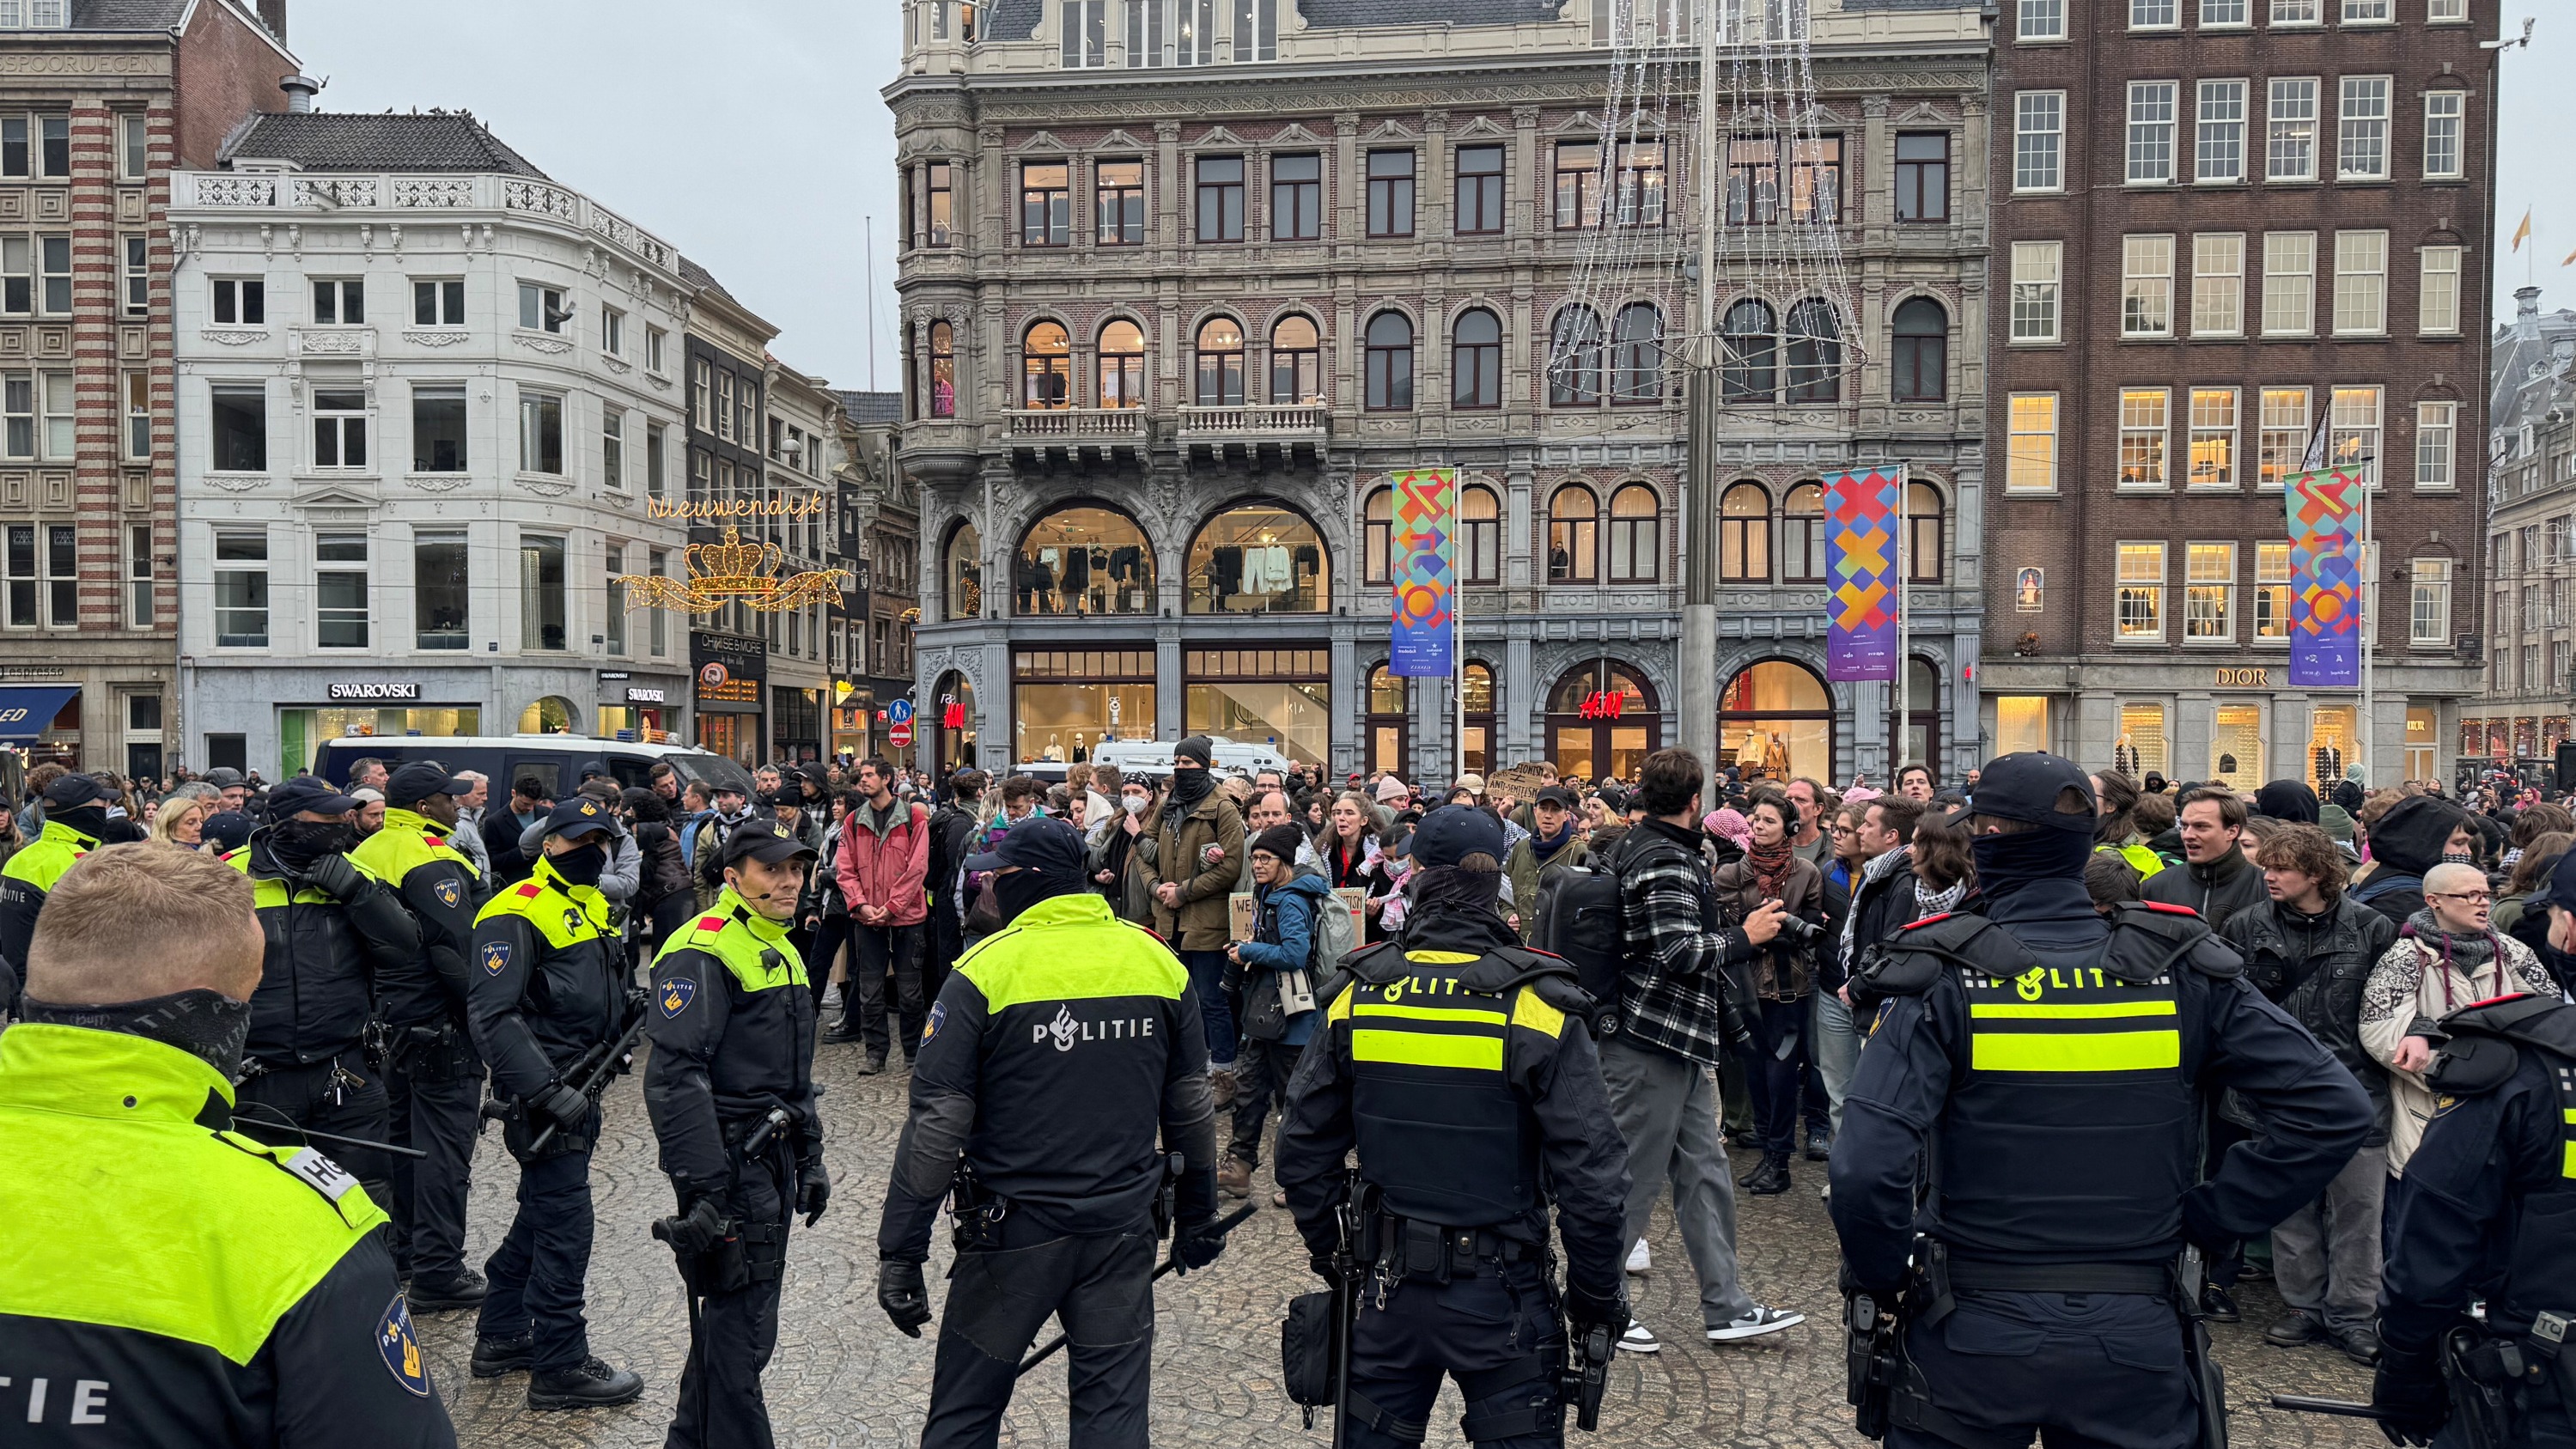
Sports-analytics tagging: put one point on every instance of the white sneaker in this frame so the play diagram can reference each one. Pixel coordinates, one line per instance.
(1638, 1259)
(1755, 1324)
(1827, 1195)
(1639, 1339)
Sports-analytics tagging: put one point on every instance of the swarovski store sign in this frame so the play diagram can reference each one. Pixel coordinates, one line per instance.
(378, 691)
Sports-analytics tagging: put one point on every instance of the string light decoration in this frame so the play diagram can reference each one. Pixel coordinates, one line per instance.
(733, 572)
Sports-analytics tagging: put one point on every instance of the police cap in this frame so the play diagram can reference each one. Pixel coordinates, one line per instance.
(70, 792)
(2026, 787)
(576, 816)
(761, 840)
(2560, 889)
(308, 792)
(1041, 843)
(1451, 833)
(421, 779)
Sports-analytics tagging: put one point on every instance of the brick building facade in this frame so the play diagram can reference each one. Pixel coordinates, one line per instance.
(2220, 225)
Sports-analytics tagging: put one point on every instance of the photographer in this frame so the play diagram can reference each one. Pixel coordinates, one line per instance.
(1771, 873)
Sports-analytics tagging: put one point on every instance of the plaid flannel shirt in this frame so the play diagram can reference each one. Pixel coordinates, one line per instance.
(1669, 986)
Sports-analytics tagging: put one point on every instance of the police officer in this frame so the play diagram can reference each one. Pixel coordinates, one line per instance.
(731, 1019)
(75, 823)
(549, 988)
(2036, 1079)
(2491, 1215)
(165, 1280)
(433, 1080)
(335, 934)
(1057, 1048)
(1459, 1064)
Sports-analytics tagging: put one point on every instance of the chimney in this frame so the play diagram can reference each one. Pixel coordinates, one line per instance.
(300, 91)
(272, 13)
(2526, 311)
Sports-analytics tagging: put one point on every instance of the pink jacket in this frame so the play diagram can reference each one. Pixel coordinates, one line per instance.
(887, 871)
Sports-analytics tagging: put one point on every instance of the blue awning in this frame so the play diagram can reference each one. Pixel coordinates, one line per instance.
(28, 710)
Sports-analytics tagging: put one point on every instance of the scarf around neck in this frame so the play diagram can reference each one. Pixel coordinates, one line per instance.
(2466, 955)
(1768, 864)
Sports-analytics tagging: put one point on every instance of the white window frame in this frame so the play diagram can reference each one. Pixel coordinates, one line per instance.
(2437, 432)
(2271, 593)
(2362, 110)
(133, 146)
(2357, 416)
(340, 291)
(54, 270)
(17, 275)
(2038, 282)
(657, 350)
(2428, 603)
(544, 308)
(2298, 14)
(2015, 433)
(240, 296)
(2218, 132)
(139, 604)
(2155, 124)
(2289, 284)
(2130, 575)
(2446, 12)
(2437, 291)
(134, 248)
(612, 447)
(245, 568)
(2146, 426)
(22, 577)
(341, 426)
(2209, 576)
(2146, 285)
(2361, 284)
(134, 390)
(443, 292)
(2445, 134)
(19, 438)
(612, 331)
(2290, 127)
(1084, 27)
(2226, 14)
(363, 615)
(2033, 20)
(2218, 284)
(2369, 12)
(2215, 415)
(533, 403)
(2155, 14)
(2039, 136)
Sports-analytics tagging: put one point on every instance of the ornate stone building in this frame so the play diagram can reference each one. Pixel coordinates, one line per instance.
(1185, 285)
(2531, 540)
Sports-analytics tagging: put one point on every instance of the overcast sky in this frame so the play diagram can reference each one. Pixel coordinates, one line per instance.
(750, 134)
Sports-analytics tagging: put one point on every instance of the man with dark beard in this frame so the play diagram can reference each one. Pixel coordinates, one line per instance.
(334, 931)
(1063, 1060)
(75, 824)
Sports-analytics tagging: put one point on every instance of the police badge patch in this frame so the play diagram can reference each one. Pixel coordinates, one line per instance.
(401, 1348)
(677, 993)
(448, 893)
(496, 957)
(938, 1016)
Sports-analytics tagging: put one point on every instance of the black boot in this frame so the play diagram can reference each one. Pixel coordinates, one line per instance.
(494, 1357)
(589, 1384)
(442, 1295)
(1771, 1178)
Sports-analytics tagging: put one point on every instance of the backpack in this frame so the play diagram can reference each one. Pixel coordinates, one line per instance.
(1579, 921)
(1334, 937)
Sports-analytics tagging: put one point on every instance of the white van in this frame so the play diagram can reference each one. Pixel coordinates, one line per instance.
(1154, 758)
(555, 760)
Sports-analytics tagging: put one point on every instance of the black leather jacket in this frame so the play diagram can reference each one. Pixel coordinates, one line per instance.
(2315, 972)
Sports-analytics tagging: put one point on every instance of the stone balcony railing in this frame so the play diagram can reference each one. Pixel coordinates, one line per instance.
(1075, 427)
(396, 200)
(1256, 422)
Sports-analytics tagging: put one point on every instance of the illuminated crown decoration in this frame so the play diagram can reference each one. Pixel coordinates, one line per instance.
(729, 572)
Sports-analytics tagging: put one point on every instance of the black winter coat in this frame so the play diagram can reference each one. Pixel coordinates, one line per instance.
(2316, 973)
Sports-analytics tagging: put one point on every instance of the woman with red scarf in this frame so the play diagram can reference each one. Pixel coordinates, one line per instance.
(1771, 869)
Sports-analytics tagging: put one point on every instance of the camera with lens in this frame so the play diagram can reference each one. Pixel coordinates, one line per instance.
(1800, 931)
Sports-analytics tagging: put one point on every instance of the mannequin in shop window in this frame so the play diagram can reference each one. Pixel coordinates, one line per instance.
(2327, 761)
(1225, 576)
(1075, 581)
(1127, 571)
(2124, 755)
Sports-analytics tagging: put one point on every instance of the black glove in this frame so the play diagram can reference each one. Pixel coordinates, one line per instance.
(813, 1192)
(334, 875)
(1587, 1311)
(698, 1230)
(2409, 1388)
(1197, 1243)
(901, 1294)
(1325, 1270)
(561, 1103)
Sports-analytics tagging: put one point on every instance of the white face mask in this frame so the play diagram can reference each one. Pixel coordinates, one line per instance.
(1134, 804)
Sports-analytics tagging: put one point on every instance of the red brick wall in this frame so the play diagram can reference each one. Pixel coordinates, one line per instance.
(224, 71)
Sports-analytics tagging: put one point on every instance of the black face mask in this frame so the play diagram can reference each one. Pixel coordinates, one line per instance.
(298, 844)
(204, 1023)
(1018, 890)
(1190, 786)
(2007, 862)
(580, 867)
(89, 820)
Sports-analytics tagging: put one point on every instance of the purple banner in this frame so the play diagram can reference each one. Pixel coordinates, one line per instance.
(1860, 565)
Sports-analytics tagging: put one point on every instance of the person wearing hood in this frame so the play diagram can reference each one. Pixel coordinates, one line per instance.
(2287, 800)
(2415, 835)
(1553, 847)
(1064, 1058)
(2216, 879)
(1287, 899)
(550, 987)
(1197, 861)
(75, 824)
(339, 940)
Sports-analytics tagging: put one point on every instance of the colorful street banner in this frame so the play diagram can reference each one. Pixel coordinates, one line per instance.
(1860, 565)
(1420, 542)
(2324, 508)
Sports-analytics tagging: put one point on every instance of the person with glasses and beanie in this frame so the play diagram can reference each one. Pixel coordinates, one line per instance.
(1197, 862)
(2032, 1097)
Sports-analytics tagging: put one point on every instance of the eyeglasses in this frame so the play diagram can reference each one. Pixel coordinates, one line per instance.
(2475, 898)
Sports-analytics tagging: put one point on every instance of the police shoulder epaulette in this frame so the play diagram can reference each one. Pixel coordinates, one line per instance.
(2170, 909)
(709, 924)
(1917, 925)
(306, 1165)
(532, 889)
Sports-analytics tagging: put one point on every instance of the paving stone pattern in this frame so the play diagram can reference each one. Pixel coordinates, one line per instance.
(844, 1378)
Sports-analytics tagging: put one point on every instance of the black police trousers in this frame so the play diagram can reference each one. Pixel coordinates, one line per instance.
(1496, 1334)
(343, 1096)
(1102, 1290)
(720, 1398)
(538, 1272)
(2081, 1370)
(434, 1094)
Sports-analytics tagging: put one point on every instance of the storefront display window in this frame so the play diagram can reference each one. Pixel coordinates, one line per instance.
(2236, 746)
(1390, 720)
(1083, 560)
(628, 722)
(965, 573)
(2021, 723)
(1776, 722)
(1602, 719)
(1065, 702)
(2422, 741)
(1276, 697)
(952, 714)
(551, 715)
(1257, 559)
(2141, 746)
(2333, 744)
(301, 732)
(1478, 685)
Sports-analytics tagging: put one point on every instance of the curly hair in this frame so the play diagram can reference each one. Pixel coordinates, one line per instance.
(2311, 852)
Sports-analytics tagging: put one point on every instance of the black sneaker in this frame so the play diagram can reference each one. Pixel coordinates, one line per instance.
(445, 1295)
(2218, 1305)
(494, 1357)
(2296, 1329)
(1820, 1147)
(589, 1384)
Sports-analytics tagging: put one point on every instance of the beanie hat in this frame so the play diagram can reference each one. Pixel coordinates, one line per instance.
(1281, 841)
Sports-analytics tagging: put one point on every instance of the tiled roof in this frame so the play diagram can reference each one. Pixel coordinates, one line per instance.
(703, 280)
(1011, 19)
(871, 407)
(345, 141)
(127, 14)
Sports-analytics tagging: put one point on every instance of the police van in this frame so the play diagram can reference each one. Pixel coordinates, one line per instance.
(555, 760)
(1154, 759)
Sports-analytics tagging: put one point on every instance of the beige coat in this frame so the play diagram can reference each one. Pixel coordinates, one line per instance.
(2408, 991)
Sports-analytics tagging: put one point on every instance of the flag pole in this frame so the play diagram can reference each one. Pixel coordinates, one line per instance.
(1904, 628)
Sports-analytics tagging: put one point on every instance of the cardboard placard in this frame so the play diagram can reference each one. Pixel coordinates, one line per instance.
(1355, 900)
(1241, 916)
(1521, 782)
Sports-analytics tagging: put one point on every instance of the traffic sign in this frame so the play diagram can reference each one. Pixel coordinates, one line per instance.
(900, 711)
(899, 734)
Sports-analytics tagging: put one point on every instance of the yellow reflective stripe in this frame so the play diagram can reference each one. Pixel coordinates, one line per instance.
(2571, 1116)
(1441, 958)
(1424, 1049)
(1428, 1013)
(1340, 1010)
(2570, 1170)
(2071, 1011)
(1537, 1015)
(2119, 1051)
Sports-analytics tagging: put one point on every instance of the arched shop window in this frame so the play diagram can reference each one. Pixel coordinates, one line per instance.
(1256, 558)
(1476, 360)
(1921, 366)
(1751, 372)
(1377, 527)
(965, 573)
(1220, 377)
(1477, 685)
(1573, 536)
(1389, 357)
(1390, 720)
(551, 715)
(1637, 356)
(1574, 362)
(1122, 365)
(1815, 353)
(1636, 542)
(1776, 720)
(1047, 368)
(1480, 532)
(1802, 535)
(1083, 560)
(1744, 534)
(1296, 371)
(1602, 719)
(1925, 539)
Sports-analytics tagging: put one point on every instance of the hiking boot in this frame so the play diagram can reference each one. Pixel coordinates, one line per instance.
(494, 1357)
(1234, 1179)
(589, 1384)
(443, 1295)
(1222, 1086)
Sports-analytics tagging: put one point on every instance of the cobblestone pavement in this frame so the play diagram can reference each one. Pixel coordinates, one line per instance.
(843, 1377)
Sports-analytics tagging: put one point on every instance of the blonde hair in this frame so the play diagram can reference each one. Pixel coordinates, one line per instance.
(165, 820)
(131, 922)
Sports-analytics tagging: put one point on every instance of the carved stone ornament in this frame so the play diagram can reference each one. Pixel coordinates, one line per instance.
(236, 482)
(547, 345)
(436, 337)
(234, 336)
(437, 482)
(546, 487)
